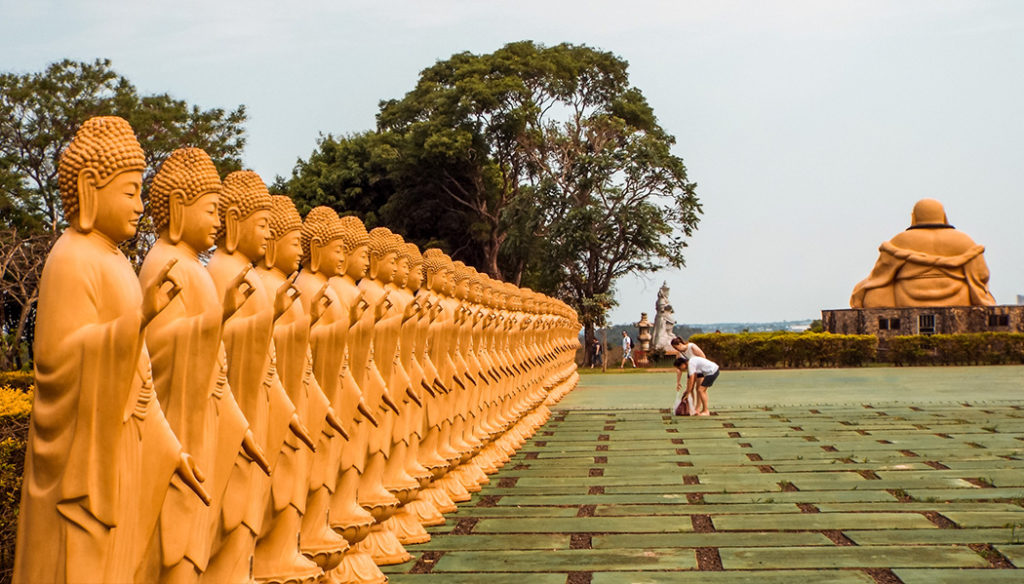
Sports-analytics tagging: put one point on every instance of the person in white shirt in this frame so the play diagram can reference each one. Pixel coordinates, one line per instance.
(688, 350)
(627, 351)
(701, 374)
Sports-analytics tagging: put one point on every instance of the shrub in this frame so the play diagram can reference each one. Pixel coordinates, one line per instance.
(958, 349)
(17, 380)
(15, 405)
(786, 349)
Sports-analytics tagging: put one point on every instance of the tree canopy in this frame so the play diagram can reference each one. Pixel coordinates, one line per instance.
(39, 115)
(539, 165)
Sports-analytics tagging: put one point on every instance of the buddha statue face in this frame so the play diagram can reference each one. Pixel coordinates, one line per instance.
(118, 204)
(330, 258)
(384, 268)
(288, 251)
(253, 233)
(401, 271)
(358, 262)
(414, 279)
(199, 221)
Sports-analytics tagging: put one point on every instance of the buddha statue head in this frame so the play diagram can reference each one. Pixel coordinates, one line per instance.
(284, 247)
(322, 240)
(401, 262)
(244, 210)
(356, 242)
(183, 199)
(928, 212)
(437, 267)
(414, 279)
(100, 179)
(460, 280)
(383, 254)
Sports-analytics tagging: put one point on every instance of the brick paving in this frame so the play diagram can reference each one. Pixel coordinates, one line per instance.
(836, 492)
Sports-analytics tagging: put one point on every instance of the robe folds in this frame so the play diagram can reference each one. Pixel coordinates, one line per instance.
(100, 453)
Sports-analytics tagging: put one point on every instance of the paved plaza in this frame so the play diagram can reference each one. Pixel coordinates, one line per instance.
(866, 475)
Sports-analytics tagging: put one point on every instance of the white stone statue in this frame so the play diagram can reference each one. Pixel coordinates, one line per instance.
(664, 321)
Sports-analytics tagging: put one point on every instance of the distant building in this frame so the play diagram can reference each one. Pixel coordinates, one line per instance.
(939, 320)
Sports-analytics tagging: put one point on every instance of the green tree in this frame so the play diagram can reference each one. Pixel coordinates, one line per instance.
(39, 114)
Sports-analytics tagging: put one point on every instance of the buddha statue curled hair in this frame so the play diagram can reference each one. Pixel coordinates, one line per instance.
(189, 170)
(353, 233)
(434, 261)
(105, 144)
(284, 217)
(321, 225)
(382, 242)
(245, 190)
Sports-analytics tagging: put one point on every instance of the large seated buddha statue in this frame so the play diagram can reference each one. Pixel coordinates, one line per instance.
(929, 264)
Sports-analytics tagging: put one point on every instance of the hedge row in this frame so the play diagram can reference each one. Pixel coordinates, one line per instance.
(784, 349)
(959, 349)
(15, 405)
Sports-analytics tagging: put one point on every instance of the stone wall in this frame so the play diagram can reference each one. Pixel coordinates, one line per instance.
(890, 322)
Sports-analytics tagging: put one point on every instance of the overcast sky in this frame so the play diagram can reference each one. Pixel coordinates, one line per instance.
(810, 127)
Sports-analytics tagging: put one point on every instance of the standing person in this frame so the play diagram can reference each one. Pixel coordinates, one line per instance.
(597, 354)
(701, 374)
(627, 351)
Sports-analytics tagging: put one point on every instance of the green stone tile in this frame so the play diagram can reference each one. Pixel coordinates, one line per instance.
(922, 506)
(716, 539)
(761, 577)
(566, 560)
(972, 493)
(492, 578)
(821, 521)
(473, 542)
(955, 576)
(511, 511)
(800, 497)
(606, 481)
(1014, 553)
(850, 557)
(590, 499)
(929, 536)
(694, 509)
(586, 525)
(986, 518)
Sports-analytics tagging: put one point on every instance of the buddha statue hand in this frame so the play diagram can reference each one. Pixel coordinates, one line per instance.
(382, 306)
(335, 423)
(387, 403)
(358, 308)
(318, 306)
(300, 431)
(238, 291)
(254, 453)
(159, 296)
(365, 412)
(286, 294)
(426, 386)
(414, 396)
(192, 476)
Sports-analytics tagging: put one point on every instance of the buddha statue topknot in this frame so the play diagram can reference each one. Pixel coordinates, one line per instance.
(930, 264)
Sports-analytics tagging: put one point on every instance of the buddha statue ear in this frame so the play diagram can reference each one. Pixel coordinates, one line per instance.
(374, 263)
(87, 199)
(315, 254)
(231, 221)
(176, 215)
(271, 254)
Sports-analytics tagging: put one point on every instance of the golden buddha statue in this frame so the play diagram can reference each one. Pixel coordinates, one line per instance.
(100, 453)
(244, 212)
(929, 264)
(323, 260)
(277, 555)
(189, 362)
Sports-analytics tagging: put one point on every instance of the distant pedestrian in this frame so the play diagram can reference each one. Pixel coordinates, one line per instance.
(627, 351)
(597, 357)
(701, 374)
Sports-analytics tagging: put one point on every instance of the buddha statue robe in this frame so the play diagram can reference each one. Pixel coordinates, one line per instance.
(189, 371)
(929, 264)
(100, 454)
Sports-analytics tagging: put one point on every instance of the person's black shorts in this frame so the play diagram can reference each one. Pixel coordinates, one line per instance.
(708, 380)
